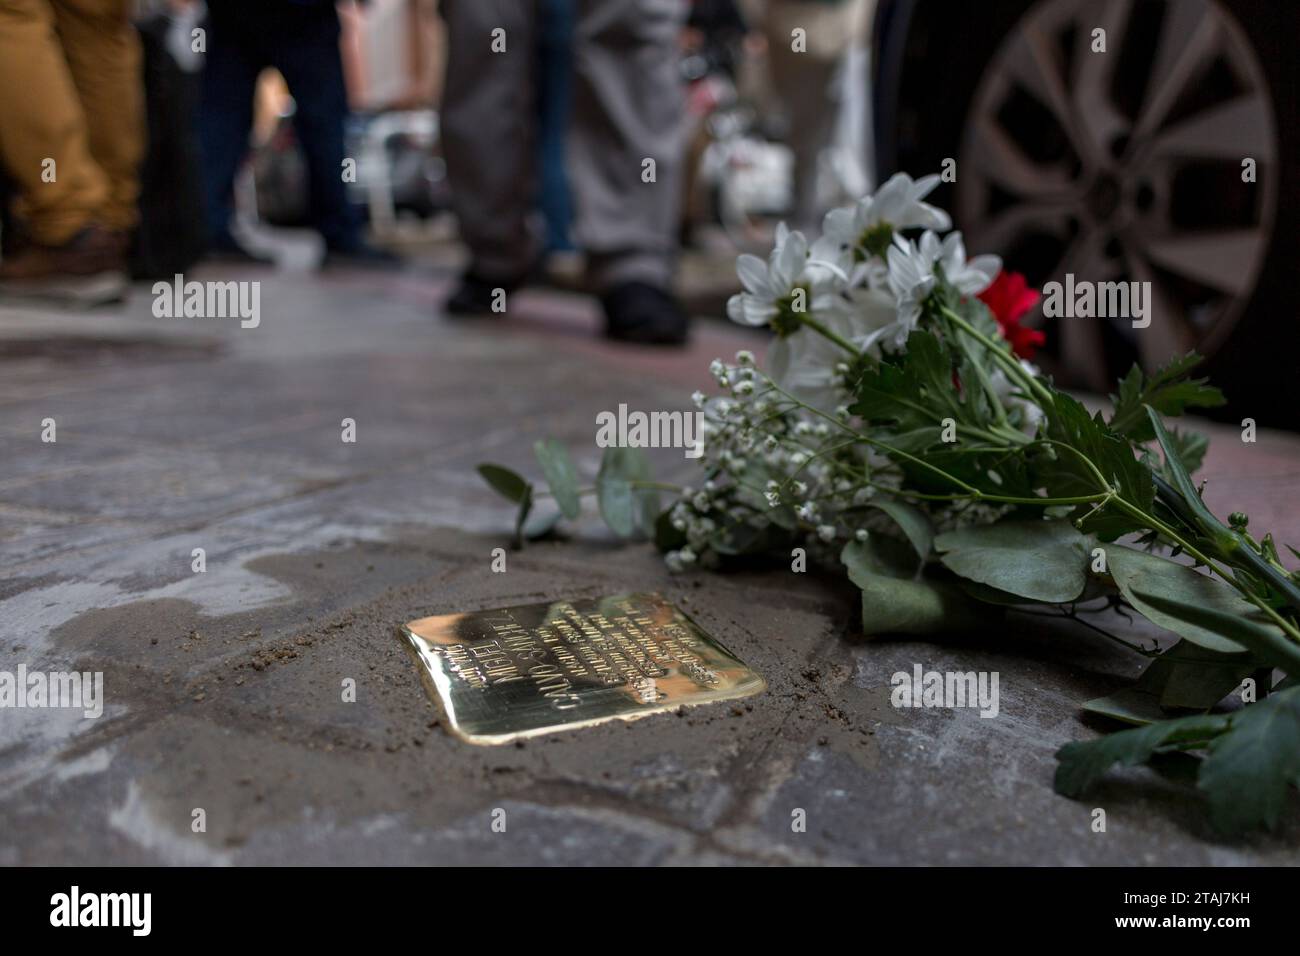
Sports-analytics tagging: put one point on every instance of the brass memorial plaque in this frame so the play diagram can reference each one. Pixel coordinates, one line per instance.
(538, 668)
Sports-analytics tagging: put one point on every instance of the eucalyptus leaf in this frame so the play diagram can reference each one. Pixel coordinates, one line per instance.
(561, 476)
(541, 526)
(509, 484)
(624, 503)
(1265, 641)
(1040, 560)
(912, 521)
(904, 605)
(1139, 575)
(614, 496)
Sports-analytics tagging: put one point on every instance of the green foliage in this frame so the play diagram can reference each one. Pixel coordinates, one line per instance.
(896, 602)
(1040, 560)
(912, 521)
(1141, 576)
(1169, 391)
(512, 486)
(561, 476)
(1083, 763)
(955, 449)
(509, 484)
(1249, 768)
(625, 504)
(1185, 677)
(1088, 457)
(1253, 757)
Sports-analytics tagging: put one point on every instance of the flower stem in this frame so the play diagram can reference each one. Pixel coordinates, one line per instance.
(826, 333)
(1031, 385)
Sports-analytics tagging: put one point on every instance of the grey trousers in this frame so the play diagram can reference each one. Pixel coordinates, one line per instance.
(628, 108)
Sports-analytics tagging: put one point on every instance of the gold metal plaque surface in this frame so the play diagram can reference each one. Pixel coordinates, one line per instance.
(534, 669)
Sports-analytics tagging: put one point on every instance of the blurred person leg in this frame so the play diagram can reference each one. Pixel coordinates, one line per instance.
(554, 88)
(805, 84)
(489, 134)
(235, 56)
(629, 108)
(305, 50)
(103, 52)
(61, 60)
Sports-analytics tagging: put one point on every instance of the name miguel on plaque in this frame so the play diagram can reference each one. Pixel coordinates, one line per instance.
(534, 669)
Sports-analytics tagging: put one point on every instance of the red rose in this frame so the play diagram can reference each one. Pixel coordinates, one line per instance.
(1009, 298)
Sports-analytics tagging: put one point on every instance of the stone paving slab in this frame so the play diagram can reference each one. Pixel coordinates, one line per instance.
(223, 688)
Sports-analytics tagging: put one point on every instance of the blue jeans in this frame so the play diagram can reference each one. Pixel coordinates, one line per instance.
(301, 40)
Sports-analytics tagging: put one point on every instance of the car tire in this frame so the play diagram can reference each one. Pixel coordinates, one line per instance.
(945, 73)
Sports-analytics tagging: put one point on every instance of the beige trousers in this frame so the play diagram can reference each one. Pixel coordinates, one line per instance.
(71, 113)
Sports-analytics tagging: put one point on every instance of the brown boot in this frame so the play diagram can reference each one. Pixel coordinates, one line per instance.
(89, 269)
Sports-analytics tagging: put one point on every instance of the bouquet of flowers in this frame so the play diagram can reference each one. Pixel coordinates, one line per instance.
(898, 429)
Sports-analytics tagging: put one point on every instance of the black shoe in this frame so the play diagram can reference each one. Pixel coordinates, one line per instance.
(362, 255)
(642, 313)
(477, 295)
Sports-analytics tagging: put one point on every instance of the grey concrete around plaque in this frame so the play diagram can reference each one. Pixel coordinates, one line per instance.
(227, 691)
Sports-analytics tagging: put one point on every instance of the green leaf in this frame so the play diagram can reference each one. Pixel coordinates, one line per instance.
(1249, 769)
(614, 496)
(1138, 574)
(1182, 480)
(913, 390)
(1191, 447)
(905, 605)
(1169, 391)
(1253, 758)
(912, 521)
(1068, 473)
(1265, 641)
(1185, 676)
(541, 526)
(509, 484)
(1083, 762)
(624, 506)
(560, 474)
(1040, 560)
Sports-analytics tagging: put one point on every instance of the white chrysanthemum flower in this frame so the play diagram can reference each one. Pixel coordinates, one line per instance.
(826, 532)
(911, 280)
(969, 277)
(856, 233)
(770, 287)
